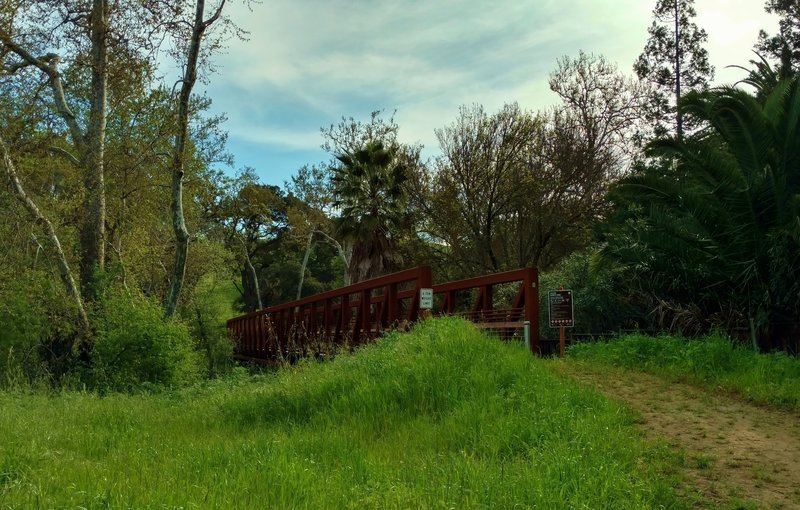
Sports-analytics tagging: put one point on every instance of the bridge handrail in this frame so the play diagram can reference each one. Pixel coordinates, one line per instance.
(480, 281)
(373, 284)
(263, 332)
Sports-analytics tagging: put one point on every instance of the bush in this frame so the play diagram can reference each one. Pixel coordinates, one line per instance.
(206, 312)
(36, 329)
(602, 303)
(135, 348)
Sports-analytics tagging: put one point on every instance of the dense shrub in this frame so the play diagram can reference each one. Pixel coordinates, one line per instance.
(135, 348)
(206, 312)
(601, 300)
(36, 328)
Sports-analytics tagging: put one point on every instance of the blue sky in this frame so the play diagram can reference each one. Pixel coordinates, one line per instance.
(309, 62)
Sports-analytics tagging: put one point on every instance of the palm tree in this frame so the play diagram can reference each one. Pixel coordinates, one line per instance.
(369, 188)
(724, 224)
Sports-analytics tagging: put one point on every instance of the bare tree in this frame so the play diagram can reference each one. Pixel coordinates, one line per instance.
(516, 188)
(474, 182)
(605, 105)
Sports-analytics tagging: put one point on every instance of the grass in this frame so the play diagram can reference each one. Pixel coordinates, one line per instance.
(713, 362)
(439, 418)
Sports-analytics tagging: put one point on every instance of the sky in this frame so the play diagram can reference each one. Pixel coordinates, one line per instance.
(308, 63)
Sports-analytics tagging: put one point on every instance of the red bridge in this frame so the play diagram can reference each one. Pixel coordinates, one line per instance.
(505, 303)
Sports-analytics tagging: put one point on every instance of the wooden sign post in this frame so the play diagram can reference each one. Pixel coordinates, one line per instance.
(561, 314)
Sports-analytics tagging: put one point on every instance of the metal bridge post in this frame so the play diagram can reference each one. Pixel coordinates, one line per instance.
(531, 293)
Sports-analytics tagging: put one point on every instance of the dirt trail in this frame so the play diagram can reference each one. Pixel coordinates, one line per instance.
(738, 455)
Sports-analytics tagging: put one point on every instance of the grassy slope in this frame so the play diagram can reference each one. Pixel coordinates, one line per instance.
(713, 362)
(442, 417)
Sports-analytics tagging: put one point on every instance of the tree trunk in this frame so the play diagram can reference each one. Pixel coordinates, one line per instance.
(179, 156)
(305, 264)
(92, 233)
(678, 115)
(90, 145)
(181, 240)
(345, 255)
(84, 336)
(253, 275)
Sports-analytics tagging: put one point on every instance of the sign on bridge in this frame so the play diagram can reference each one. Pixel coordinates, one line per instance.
(425, 299)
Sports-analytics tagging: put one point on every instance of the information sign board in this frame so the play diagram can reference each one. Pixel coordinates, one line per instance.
(425, 299)
(561, 308)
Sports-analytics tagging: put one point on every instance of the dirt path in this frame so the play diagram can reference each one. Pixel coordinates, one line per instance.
(737, 455)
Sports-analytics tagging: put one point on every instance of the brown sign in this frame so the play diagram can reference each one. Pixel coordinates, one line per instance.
(561, 309)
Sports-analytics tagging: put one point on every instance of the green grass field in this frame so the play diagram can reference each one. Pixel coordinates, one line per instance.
(439, 418)
(713, 362)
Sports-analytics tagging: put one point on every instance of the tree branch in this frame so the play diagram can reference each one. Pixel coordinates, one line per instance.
(63, 265)
(13, 68)
(48, 64)
(210, 21)
(252, 271)
(65, 153)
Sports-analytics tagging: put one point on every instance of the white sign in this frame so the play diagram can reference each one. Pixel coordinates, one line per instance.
(425, 299)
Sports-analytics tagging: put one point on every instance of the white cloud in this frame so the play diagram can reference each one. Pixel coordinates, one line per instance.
(309, 62)
(275, 136)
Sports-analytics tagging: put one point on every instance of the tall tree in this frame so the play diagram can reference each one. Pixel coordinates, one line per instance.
(369, 188)
(674, 62)
(782, 48)
(606, 106)
(76, 57)
(516, 188)
(372, 150)
(79, 30)
(200, 26)
(64, 269)
(476, 181)
(727, 233)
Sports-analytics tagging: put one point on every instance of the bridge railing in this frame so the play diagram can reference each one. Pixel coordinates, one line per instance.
(355, 314)
(474, 299)
(351, 315)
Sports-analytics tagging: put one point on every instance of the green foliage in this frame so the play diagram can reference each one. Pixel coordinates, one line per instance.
(36, 325)
(206, 312)
(280, 268)
(720, 229)
(713, 361)
(439, 418)
(22, 323)
(672, 76)
(369, 186)
(603, 301)
(135, 348)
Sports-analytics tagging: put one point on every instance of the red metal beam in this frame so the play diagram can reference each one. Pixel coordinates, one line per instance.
(480, 281)
(380, 305)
